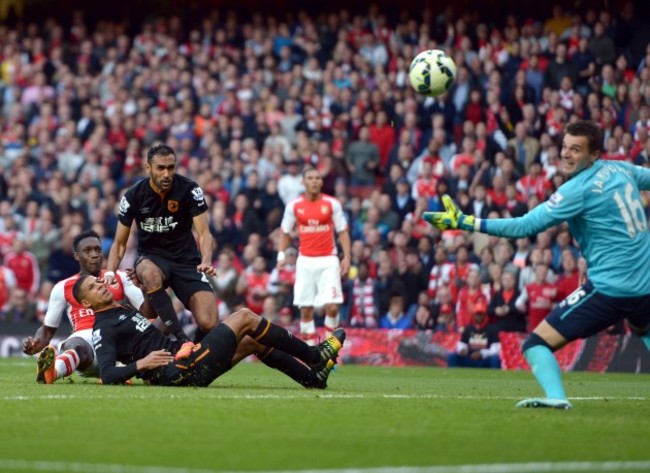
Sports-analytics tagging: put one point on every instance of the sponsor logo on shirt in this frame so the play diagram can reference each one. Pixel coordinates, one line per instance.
(158, 224)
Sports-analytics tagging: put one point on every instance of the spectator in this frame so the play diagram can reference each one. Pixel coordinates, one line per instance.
(290, 185)
(363, 160)
(525, 147)
(479, 346)
(396, 317)
(569, 279)
(252, 285)
(226, 283)
(536, 299)
(282, 280)
(24, 266)
(602, 46)
(362, 297)
(502, 309)
(469, 296)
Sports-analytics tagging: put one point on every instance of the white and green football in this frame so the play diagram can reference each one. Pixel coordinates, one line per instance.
(432, 72)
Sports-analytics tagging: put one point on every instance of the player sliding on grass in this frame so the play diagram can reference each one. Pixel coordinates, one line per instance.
(605, 213)
(121, 334)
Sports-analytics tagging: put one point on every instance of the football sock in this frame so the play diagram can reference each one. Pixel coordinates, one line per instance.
(66, 363)
(162, 304)
(546, 369)
(272, 335)
(287, 364)
(308, 332)
(331, 322)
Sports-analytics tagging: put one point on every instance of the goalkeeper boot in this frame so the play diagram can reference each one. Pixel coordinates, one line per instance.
(329, 349)
(545, 402)
(323, 374)
(45, 369)
(184, 351)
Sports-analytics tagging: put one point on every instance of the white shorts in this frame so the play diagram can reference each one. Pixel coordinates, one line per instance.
(318, 281)
(87, 335)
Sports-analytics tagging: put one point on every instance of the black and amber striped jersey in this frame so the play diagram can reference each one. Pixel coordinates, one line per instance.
(164, 221)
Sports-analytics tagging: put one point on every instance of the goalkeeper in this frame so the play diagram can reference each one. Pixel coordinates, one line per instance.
(602, 205)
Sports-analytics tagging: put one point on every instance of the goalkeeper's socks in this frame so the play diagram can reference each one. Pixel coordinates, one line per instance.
(547, 370)
(281, 361)
(274, 336)
(163, 306)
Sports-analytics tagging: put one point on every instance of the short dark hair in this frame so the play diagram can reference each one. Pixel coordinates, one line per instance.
(81, 236)
(590, 130)
(159, 150)
(76, 289)
(309, 168)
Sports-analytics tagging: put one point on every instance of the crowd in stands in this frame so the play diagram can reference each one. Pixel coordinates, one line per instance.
(248, 102)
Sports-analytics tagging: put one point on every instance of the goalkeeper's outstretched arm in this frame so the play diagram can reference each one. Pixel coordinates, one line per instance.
(540, 218)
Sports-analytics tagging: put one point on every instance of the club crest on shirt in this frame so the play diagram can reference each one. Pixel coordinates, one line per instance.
(172, 205)
(324, 209)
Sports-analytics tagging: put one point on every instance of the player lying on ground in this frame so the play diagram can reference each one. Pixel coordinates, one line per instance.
(604, 210)
(121, 334)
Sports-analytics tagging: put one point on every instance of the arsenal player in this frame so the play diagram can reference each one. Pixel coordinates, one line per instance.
(316, 217)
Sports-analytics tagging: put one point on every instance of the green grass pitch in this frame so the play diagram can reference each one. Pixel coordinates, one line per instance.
(370, 419)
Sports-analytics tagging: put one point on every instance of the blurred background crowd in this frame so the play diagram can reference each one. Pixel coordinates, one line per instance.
(247, 99)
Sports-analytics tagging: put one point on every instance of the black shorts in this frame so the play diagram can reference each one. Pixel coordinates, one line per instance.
(184, 279)
(210, 358)
(585, 312)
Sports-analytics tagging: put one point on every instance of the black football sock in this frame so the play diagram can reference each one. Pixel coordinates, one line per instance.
(275, 336)
(199, 333)
(162, 304)
(281, 361)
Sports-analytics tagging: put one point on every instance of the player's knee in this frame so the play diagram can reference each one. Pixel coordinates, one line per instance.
(206, 321)
(150, 276)
(332, 309)
(246, 315)
(534, 340)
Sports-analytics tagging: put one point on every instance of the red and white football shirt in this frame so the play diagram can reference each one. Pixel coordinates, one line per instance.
(316, 221)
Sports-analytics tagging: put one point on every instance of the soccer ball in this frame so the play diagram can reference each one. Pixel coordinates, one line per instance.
(432, 72)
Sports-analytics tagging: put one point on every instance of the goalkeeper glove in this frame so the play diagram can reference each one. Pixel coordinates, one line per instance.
(451, 218)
